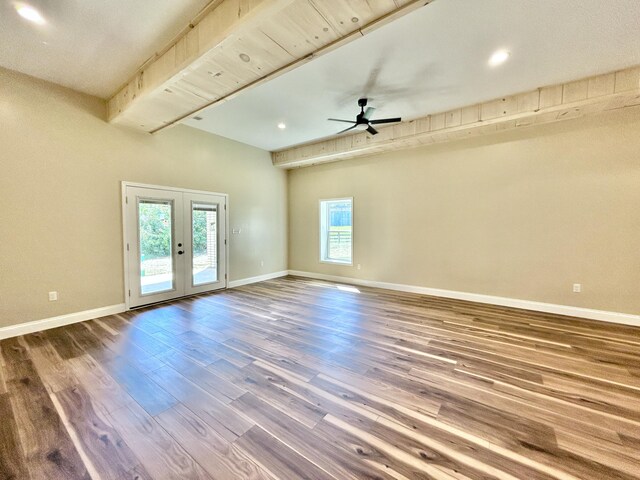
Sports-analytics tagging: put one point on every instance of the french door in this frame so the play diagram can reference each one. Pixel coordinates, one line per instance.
(175, 243)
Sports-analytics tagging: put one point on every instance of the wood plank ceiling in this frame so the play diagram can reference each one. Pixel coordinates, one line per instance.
(239, 44)
(588, 96)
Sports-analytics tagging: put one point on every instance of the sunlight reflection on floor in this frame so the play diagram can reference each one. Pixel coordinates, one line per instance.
(347, 288)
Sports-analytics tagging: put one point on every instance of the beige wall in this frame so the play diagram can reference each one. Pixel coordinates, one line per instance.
(60, 215)
(522, 214)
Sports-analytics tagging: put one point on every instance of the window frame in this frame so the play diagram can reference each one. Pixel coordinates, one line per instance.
(323, 232)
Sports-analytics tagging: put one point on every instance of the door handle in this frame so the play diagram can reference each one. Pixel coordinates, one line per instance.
(180, 252)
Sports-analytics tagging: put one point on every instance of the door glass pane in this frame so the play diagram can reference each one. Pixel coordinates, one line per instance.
(156, 260)
(204, 218)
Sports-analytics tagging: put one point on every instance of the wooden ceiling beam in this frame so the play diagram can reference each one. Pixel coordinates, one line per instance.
(239, 44)
(550, 104)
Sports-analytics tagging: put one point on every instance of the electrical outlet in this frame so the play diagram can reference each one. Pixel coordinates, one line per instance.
(577, 287)
(262, 263)
(53, 296)
(359, 267)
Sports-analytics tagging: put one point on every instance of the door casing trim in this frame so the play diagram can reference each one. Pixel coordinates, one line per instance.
(123, 201)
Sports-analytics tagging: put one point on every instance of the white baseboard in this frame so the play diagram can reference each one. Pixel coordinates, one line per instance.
(259, 278)
(602, 315)
(53, 322)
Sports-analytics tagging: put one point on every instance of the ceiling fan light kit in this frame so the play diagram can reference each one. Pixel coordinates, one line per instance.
(363, 119)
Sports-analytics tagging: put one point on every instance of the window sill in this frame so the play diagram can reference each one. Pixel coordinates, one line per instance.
(338, 262)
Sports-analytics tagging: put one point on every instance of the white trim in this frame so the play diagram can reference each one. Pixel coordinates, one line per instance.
(338, 262)
(227, 241)
(602, 315)
(125, 233)
(59, 321)
(171, 189)
(323, 232)
(259, 278)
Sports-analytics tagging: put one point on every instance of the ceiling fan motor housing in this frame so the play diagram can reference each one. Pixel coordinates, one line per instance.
(363, 119)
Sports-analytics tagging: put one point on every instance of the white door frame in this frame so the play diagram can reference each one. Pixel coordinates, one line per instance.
(188, 199)
(125, 230)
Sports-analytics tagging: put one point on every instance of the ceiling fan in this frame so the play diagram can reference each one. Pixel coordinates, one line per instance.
(363, 119)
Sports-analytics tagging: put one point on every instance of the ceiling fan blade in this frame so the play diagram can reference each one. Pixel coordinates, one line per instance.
(339, 120)
(386, 120)
(346, 130)
(372, 130)
(368, 112)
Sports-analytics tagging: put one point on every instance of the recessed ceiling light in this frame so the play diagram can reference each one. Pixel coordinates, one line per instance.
(30, 13)
(499, 57)
(282, 126)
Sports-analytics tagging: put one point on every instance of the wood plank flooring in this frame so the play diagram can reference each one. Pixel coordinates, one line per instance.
(301, 379)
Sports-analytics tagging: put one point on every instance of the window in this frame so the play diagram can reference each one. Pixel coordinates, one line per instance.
(336, 230)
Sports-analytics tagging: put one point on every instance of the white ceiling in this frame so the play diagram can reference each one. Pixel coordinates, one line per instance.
(93, 46)
(433, 60)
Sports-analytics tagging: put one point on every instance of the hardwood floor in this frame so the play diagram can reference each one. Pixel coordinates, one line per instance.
(301, 379)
